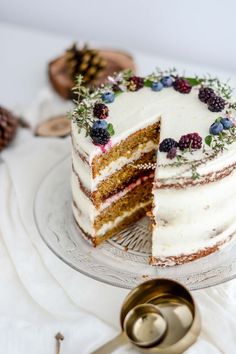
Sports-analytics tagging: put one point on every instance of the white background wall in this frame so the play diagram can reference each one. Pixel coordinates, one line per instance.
(202, 31)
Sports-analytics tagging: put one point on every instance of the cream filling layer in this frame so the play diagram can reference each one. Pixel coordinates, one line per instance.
(85, 172)
(196, 218)
(86, 225)
(85, 204)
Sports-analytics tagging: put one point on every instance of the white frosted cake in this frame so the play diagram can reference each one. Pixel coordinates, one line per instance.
(162, 144)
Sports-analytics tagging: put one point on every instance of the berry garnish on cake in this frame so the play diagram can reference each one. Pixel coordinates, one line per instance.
(135, 83)
(205, 93)
(216, 104)
(221, 124)
(108, 97)
(172, 153)
(100, 111)
(167, 81)
(191, 141)
(157, 86)
(100, 124)
(99, 135)
(182, 85)
(216, 128)
(227, 123)
(167, 144)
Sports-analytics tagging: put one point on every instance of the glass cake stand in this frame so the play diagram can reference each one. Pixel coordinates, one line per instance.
(121, 261)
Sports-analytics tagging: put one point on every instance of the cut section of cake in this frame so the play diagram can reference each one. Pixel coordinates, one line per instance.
(109, 193)
(164, 144)
(115, 185)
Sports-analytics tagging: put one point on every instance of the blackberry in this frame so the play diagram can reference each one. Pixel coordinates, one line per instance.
(172, 153)
(192, 141)
(100, 111)
(182, 85)
(216, 104)
(100, 136)
(205, 93)
(167, 144)
(135, 83)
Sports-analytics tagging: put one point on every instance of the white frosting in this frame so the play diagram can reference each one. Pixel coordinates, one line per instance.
(191, 219)
(85, 205)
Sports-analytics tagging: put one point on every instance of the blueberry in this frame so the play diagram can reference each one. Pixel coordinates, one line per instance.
(156, 86)
(108, 97)
(216, 128)
(100, 124)
(227, 123)
(167, 81)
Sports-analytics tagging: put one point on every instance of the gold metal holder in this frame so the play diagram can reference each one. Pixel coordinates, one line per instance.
(158, 316)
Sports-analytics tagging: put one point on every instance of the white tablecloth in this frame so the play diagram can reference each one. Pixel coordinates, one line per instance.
(40, 295)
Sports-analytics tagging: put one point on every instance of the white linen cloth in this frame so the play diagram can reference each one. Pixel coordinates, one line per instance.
(40, 295)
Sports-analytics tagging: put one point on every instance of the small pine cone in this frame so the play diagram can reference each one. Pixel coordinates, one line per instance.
(182, 85)
(8, 126)
(135, 83)
(85, 61)
(205, 93)
(216, 104)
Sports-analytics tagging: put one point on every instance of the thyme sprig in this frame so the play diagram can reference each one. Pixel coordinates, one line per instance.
(223, 89)
(182, 160)
(82, 114)
(120, 80)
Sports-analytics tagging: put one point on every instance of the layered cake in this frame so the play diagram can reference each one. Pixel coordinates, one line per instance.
(162, 144)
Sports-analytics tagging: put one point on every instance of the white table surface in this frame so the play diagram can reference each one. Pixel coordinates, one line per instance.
(23, 72)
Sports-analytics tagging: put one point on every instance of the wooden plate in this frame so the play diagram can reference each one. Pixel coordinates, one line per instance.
(58, 126)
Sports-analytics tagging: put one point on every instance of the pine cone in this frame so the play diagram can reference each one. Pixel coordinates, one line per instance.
(8, 126)
(84, 61)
